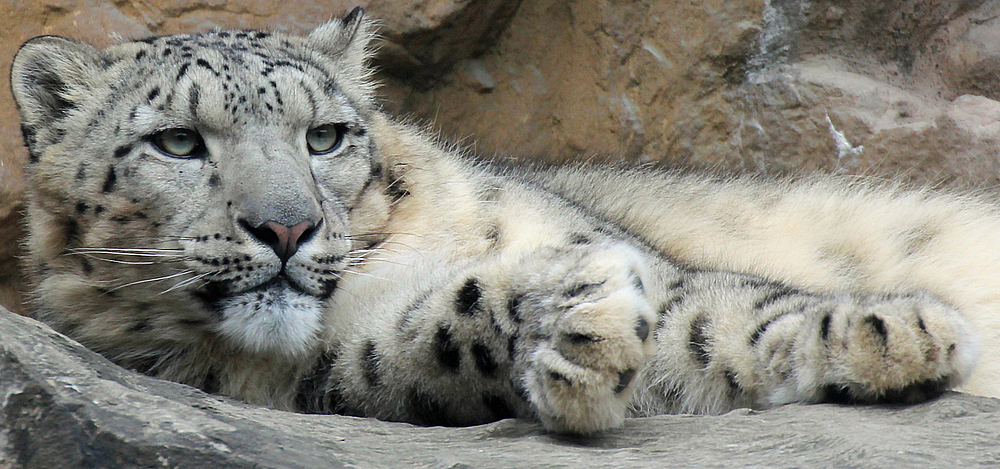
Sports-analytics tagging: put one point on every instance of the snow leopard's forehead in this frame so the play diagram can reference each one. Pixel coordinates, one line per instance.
(228, 78)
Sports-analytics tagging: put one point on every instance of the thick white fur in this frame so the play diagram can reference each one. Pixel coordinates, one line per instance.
(823, 233)
(289, 328)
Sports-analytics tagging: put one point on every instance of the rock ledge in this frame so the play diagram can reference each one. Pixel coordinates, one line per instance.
(64, 406)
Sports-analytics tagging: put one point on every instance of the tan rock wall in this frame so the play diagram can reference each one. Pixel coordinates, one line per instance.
(906, 89)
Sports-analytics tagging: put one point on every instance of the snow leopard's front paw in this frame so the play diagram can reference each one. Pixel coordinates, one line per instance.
(898, 349)
(592, 331)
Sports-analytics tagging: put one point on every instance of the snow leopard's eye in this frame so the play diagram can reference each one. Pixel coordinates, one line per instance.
(179, 143)
(325, 138)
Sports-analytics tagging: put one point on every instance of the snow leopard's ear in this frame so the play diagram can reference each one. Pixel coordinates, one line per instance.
(50, 76)
(347, 39)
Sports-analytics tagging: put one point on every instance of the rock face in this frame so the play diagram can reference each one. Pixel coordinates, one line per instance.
(64, 406)
(785, 86)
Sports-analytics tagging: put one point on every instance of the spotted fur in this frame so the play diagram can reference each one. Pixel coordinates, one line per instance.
(232, 210)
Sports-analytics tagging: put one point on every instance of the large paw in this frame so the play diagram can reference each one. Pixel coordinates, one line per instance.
(905, 349)
(593, 337)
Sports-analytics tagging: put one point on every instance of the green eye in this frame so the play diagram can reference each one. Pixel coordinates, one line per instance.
(325, 138)
(179, 143)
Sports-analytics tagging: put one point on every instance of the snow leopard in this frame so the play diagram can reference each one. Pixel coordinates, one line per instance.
(234, 211)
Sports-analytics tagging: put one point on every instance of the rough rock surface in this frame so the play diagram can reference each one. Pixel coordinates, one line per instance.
(739, 85)
(64, 406)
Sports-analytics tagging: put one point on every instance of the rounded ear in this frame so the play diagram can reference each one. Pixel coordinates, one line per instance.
(347, 38)
(50, 75)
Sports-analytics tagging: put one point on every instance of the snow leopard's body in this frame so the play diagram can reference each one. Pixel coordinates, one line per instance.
(231, 210)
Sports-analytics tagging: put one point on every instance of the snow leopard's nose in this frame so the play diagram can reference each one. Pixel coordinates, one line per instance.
(283, 240)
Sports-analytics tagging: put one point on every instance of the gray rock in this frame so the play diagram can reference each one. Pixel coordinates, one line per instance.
(66, 407)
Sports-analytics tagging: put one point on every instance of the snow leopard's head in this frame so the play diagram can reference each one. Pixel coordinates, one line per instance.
(198, 185)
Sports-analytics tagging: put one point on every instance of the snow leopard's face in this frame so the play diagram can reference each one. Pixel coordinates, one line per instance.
(212, 184)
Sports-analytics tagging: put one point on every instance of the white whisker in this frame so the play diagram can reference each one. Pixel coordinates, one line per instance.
(156, 279)
(128, 252)
(366, 274)
(185, 283)
(118, 261)
(383, 259)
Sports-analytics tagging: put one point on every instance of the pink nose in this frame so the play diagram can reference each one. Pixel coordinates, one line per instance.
(284, 240)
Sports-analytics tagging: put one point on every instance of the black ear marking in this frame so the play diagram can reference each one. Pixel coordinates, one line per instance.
(347, 37)
(46, 72)
(353, 17)
(28, 135)
(352, 23)
(51, 90)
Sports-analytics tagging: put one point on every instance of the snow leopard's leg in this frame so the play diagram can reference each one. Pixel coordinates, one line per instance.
(723, 340)
(728, 340)
(557, 334)
(564, 334)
